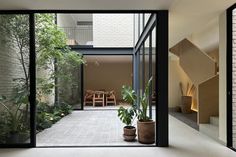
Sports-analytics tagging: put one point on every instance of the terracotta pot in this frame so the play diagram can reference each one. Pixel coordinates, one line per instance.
(146, 132)
(186, 104)
(129, 133)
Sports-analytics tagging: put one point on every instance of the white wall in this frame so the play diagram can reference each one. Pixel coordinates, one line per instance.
(113, 30)
(176, 75)
(222, 77)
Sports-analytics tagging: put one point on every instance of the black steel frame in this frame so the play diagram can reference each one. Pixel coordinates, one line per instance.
(161, 69)
(229, 14)
(160, 21)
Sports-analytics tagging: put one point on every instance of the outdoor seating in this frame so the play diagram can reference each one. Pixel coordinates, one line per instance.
(88, 98)
(98, 97)
(110, 98)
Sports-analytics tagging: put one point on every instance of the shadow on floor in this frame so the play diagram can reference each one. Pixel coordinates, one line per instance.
(190, 119)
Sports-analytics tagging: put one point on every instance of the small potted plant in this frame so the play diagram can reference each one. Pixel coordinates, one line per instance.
(146, 126)
(127, 117)
(186, 99)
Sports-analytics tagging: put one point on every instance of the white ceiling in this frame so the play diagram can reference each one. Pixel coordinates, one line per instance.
(186, 16)
(86, 4)
(189, 16)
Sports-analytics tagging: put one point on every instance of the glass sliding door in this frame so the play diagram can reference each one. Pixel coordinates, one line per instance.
(15, 79)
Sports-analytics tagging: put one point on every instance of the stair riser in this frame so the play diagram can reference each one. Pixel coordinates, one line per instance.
(214, 121)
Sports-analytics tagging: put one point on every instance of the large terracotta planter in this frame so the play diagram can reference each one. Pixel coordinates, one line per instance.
(186, 104)
(129, 133)
(146, 132)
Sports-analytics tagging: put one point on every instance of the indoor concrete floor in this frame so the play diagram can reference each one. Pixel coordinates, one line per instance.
(184, 142)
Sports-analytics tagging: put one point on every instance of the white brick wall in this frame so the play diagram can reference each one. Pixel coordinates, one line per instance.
(10, 68)
(113, 30)
(234, 78)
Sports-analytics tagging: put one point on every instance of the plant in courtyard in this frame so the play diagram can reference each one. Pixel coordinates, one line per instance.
(48, 115)
(52, 52)
(14, 117)
(131, 97)
(146, 129)
(15, 34)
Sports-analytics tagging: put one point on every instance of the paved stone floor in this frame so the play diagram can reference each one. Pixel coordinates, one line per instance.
(85, 128)
(184, 142)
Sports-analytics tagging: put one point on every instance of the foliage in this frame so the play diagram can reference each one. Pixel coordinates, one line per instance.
(4, 127)
(48, 115)
(126, 115)
(131, 97)
(52, 51)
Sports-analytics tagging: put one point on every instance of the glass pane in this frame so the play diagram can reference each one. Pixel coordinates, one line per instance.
(154, 66)
(14, 79)
(141, 77)
(136, 27)
(141, 23)
(147, 17)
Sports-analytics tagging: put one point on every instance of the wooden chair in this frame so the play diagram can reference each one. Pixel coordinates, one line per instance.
(88, 98)
(98, 97)
(110, 98)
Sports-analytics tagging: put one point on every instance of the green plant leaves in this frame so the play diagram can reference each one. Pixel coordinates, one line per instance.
(126, 115)
(130, 97)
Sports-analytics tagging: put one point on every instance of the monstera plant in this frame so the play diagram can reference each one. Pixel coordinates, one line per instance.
(146, 126)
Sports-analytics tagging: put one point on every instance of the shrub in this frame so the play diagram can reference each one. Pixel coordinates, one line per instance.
(48, 115)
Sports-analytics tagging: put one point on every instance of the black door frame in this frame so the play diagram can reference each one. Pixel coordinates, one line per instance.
(99, 51)
(229, 49)
(161, 69)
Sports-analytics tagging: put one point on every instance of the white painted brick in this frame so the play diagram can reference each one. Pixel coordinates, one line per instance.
(113, 30)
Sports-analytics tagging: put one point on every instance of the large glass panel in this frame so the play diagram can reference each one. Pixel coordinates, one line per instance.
(234, 78)
(147, 15)
(14, 79)
(154, 66)
(141, 70)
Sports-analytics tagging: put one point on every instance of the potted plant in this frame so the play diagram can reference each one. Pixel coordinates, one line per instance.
(127, 117)
(146, 126)
(186, 98)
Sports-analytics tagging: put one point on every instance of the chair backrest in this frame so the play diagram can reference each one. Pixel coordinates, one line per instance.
(98, 94)
(111, 93)
(89, 93)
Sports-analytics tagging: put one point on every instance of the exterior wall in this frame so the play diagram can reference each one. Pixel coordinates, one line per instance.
(10, 68)
(108, 76)
(113, 30)
(234, 78)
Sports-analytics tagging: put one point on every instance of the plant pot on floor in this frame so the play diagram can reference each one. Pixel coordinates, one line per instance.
(129, 133)
(146, 132)
(186, 104)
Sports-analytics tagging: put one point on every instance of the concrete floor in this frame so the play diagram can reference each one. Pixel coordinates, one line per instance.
(184, 142)
(85, 128)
